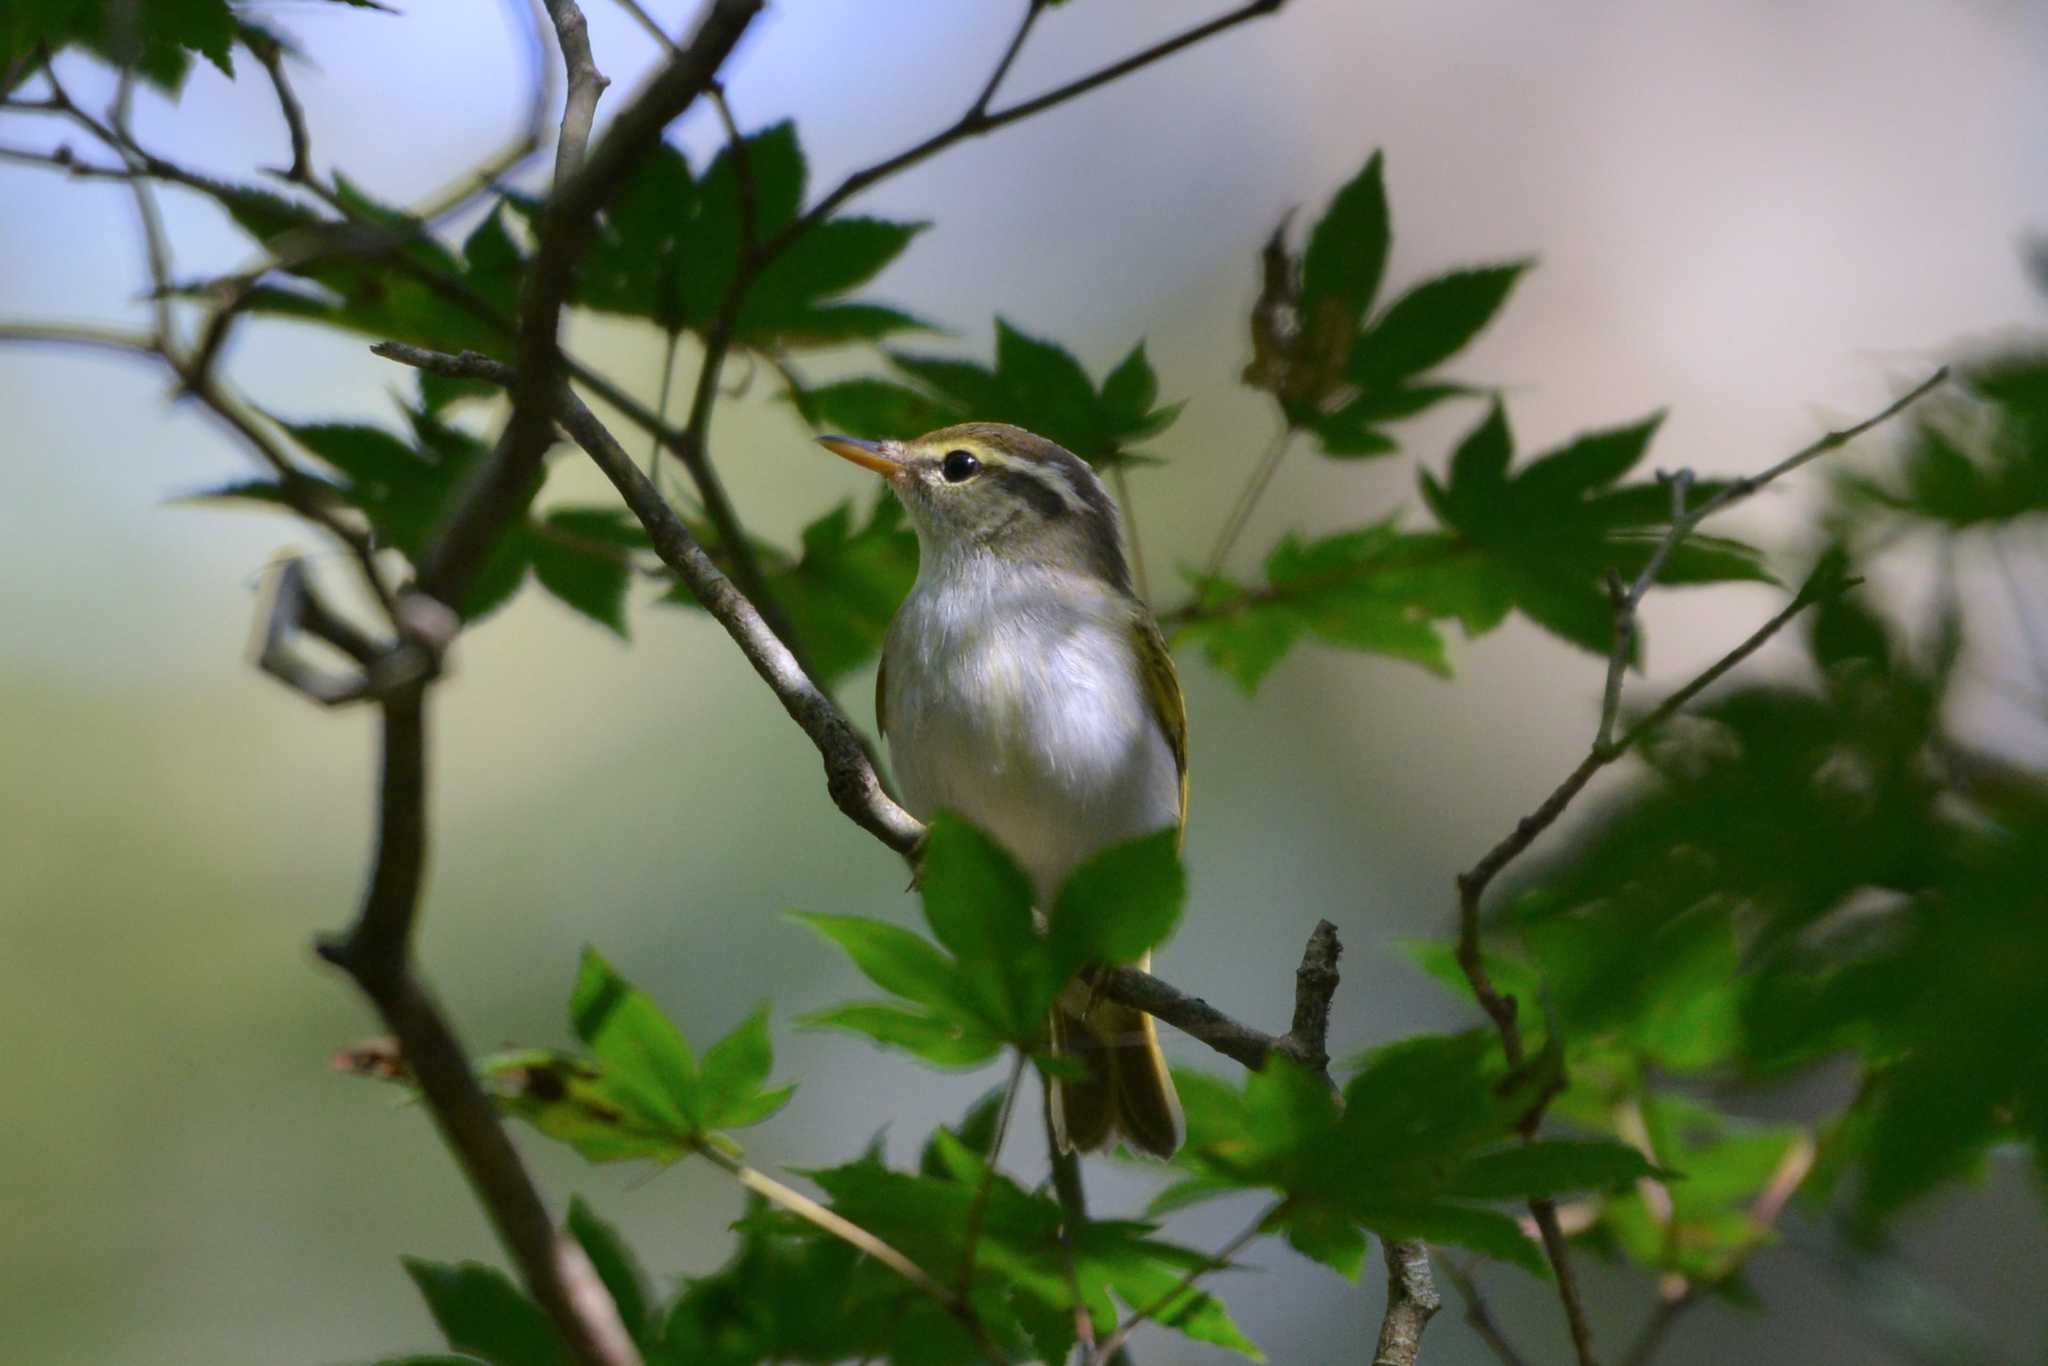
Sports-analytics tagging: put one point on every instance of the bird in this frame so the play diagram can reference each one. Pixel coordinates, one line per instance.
(1025, 686)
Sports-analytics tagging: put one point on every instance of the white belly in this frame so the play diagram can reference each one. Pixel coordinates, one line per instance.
(1014, 699)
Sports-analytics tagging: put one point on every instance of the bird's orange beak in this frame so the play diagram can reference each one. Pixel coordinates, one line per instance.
(883, 457)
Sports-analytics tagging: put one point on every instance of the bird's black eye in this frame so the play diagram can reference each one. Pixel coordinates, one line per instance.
(959, 466)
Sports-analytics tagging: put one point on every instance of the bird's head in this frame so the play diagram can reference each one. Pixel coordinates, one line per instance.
(991, 488)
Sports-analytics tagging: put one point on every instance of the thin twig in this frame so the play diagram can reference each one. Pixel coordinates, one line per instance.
(1073, 1202)
(270, 54)
(668, 374)
(978, 1211)
(809, 1210)
(976, 124)
(1131, 542)
(1248, 499)
(1032, 9)
(649, 23)
(1217, 1261)
(742, 167)
(1479, 1317)
(1628, 598)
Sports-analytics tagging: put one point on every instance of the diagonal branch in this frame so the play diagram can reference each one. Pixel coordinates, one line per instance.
(566, 221)
(1472, 884)
(849, 772)
(978, 121)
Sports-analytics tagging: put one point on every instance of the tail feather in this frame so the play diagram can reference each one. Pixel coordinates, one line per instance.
(1127, 1092)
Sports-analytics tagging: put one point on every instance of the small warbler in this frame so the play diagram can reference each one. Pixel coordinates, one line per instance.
(1025, 686)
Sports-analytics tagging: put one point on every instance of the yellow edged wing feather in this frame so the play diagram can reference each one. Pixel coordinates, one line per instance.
(882, 703)
(1162, 690)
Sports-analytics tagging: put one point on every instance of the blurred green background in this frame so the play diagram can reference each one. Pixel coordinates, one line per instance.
(1760, 214)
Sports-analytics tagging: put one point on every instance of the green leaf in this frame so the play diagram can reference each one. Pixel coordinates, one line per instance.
(1347, 249)
(896, 960)
(1443, 1224)
(616, 1267)
(1035, 384)
(787, 298)
(642, 1050)
(1375, 589)
(1431, 323)
(1587, 462)
(160, 46)
(1324, 1235)
(937, 1039)
(1550, 1167)
(1545, 537)
(978, 903)
(877, 409)
(733, 1072)
(1130, 391)
(480, 1311)
(580, 570)
(1120, 903)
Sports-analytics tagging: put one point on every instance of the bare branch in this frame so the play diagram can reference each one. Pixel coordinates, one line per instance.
(586, 85)
(1480, 1318)
(1412, 1301)
(978, 121)
(268, 51)
(850, 773)
(1032, 9)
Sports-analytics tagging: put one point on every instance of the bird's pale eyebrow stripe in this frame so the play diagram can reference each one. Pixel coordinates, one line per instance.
(1048, 493)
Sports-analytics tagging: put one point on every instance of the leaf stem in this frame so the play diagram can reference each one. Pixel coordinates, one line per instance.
(977, 1213)
(1130, 512)
(1217, 1261)
(852, 1234)
(668, 374)
(1248, 499)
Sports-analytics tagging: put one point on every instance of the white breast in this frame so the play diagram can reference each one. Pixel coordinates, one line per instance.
(1014, 699)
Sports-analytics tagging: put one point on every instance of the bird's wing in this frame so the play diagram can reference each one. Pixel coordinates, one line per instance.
(882, 696)
(1162, 690)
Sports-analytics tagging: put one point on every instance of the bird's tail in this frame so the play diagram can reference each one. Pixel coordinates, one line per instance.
(1127, 1092)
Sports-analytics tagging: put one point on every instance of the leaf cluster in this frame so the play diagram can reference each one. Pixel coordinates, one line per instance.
(1340, 367)
(992, 976)
(1419, 1146)
(1034, 383)
(678, 249)
(1682, 936)
(581, 554)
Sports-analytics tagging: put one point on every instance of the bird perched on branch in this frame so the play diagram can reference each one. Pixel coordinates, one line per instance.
(1026, 687)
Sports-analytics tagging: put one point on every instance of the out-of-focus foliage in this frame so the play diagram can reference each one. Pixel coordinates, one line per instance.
(1419, 1145)
(1034, 383)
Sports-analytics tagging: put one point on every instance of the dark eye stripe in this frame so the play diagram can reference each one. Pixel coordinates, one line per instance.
(1044, 499)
